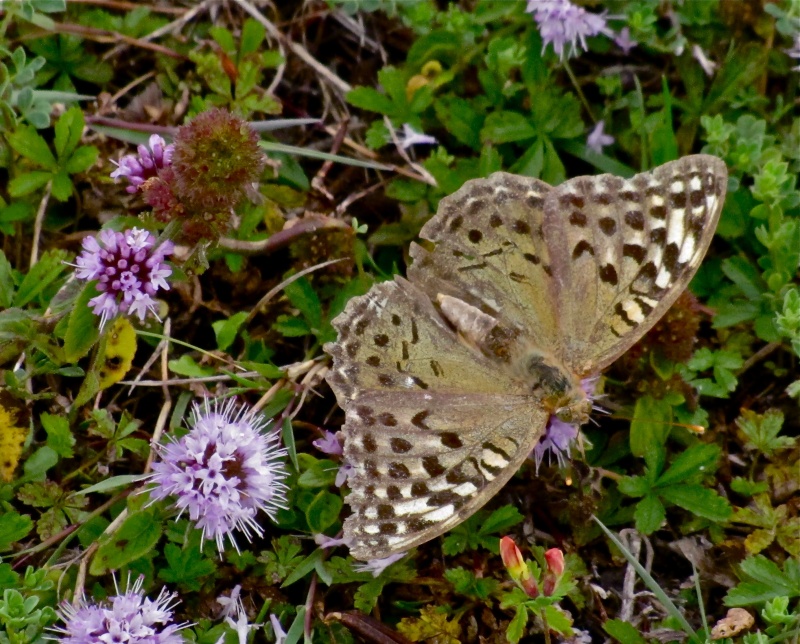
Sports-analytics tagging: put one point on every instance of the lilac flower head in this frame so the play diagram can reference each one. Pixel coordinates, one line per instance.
(700, 56)
(128, 269)
(624, 41)
(139, 168)
(377, 566)
(560, 437)
(280, 634)
(794, 52)
(565, 24)
(129, 618)
(223, 472)
(598, 139)
(411, 137)
(329, 444)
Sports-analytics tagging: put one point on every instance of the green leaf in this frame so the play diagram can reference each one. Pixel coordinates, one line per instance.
(698, 500)
(82, 331)
(227, 330)
(370, 99)
(187, 366)
(306, 566)
(39, 462)
(68, 131)
(14, 527)
(27, 142)
(501, 520)
(516, 627)
(25, 184)
(42, 274)
(136, 537)
(59, 436)
(696, 460)
(506, 127)
(323, 511)
(112, 483)
(186, 566)
(649, 514)
(303, 297)
(651, 424)
(291, 327)
(623, 632)
(320, 474)
(253, 34)
(635, 486)
(82, 159)
(6, 282)
(460, 119)
(61, 187)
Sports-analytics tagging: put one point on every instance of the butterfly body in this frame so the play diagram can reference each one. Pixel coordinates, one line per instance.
(448, 378)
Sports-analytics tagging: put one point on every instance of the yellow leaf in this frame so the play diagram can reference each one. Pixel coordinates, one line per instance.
(116, 357)
(13, 432)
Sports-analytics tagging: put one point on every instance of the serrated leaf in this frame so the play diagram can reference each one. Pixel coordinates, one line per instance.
(506, 127)
(652, 420)
(623, 632)
(68, 131)
(82, 332)
(59, 436)
(649, 514)
(14, 527)
(49, 268)
(698, 500)
(501, 520)
(136, 537)
(695, 461)
(27, 142)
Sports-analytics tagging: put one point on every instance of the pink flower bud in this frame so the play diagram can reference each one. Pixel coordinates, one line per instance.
(555, 568)
(516, 566)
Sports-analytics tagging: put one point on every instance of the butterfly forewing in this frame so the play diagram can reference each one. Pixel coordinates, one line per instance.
(622, 250)
(432, 429)
(489, 251)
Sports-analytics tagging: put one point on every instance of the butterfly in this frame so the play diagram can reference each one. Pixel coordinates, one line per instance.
(518, 291)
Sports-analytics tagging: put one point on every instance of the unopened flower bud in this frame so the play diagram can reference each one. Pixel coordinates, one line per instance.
(555, 568)
(517, 567)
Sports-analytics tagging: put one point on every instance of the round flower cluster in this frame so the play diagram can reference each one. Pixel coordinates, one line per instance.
(566, 25)
(223, 472)
(138, 169)
(129, 271)
(128, 617)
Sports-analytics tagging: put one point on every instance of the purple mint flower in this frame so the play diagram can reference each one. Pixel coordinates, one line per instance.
(700, 56)
(329, 444)
(560, 437)
(377, 566)
(411, 137)
(139, 168)
(565, 24)
(128, 618)
(598, 139)
(624, 41)
(128, 270)
(324, 541)
(277, 629)
(794, 52)
(223, 472)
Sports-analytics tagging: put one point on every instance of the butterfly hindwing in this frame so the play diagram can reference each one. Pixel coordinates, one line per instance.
(432, 428)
